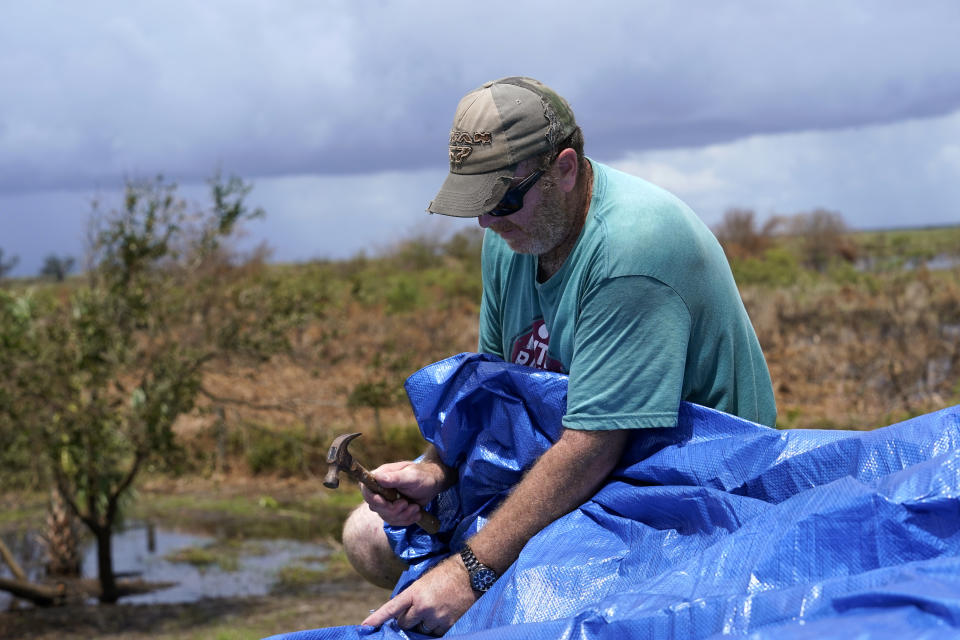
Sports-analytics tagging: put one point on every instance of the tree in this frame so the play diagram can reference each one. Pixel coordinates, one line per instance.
(741, 237)
(8, 266)
(57, 268)
(99, 379)
(823, 238)
(376, 395)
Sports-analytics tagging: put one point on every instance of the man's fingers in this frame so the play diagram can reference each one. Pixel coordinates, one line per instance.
(394, 473)
(387, 610)
(400, 513)
(380, 503)
(431, 628)
(413, 617)
(406, 477)
(407, 617)
(376, 500)
(402, 517)
(433, 603)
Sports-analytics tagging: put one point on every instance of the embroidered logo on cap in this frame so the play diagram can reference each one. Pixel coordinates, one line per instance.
(462, 142)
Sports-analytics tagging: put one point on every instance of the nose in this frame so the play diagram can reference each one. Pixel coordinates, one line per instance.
(485, 220)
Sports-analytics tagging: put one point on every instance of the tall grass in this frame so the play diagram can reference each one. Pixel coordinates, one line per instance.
(860, 339)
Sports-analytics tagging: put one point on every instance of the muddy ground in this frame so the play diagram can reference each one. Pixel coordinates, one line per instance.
(282, 508)
(220, 618)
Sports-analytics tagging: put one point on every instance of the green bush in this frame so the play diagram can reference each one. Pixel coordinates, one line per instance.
(268, 452)
(845, 273)
(457, 285)
(778, 267)
(417, 254)
(465, 246)
(404, 293)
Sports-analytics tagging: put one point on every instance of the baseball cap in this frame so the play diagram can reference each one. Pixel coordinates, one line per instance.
(496, 126)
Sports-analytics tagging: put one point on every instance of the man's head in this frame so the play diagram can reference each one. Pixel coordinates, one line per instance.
(497, 127)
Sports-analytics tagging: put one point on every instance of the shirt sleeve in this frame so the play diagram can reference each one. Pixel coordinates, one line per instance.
(629, 356)
(490, 329)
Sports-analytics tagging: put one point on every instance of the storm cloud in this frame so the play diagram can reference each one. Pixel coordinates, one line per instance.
(338, 112)
(96, 91)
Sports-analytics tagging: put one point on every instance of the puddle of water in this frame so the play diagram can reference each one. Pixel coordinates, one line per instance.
(939, 262)
(135, 552)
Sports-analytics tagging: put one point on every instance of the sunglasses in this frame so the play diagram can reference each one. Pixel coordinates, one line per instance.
(512, 200)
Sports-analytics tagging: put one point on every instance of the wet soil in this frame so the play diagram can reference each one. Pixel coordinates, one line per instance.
(342, 598)
(343, 603)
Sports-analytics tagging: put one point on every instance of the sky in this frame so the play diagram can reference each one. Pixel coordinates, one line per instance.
(338, 112)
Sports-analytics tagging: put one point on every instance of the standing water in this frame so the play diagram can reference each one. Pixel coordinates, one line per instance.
(197, 564)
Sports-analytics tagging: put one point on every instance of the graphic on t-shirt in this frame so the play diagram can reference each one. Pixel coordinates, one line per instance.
(530, 349)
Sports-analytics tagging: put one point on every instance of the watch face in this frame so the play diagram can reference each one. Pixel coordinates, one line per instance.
(482, 579)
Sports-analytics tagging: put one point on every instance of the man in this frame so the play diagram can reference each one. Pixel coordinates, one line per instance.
(587, 271)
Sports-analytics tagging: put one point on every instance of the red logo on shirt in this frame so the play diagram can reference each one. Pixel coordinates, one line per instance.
(530, 349)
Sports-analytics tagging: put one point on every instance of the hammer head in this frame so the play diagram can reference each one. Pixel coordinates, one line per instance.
(338, 458)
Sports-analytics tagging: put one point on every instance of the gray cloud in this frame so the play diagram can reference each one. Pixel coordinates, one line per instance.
(903, 174)
(900, 174)
(99, 90)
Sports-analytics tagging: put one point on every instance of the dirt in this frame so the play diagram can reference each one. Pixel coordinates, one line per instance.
(341, 599)
(343, 603)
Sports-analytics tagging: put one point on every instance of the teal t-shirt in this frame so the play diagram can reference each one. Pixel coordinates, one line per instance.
(643, 313)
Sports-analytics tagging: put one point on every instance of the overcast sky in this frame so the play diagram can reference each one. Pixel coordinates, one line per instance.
(339, 112)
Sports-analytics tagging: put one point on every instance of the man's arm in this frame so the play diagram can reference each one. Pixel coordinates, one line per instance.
(564, 477)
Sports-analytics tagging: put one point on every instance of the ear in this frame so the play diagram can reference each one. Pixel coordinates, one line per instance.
(565, 167)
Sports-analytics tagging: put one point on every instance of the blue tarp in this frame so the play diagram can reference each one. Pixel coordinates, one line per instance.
(719, 527)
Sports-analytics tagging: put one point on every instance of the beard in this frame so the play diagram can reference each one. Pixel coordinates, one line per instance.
(549, 224)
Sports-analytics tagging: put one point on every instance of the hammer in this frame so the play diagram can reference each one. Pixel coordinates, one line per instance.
(339, 459)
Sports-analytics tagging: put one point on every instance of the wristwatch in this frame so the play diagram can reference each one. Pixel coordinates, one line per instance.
(482, 577)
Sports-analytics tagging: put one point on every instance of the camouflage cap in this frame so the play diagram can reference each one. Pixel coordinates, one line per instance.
(495, 127)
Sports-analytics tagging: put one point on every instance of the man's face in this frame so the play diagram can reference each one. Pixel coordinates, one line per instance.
(542, 223)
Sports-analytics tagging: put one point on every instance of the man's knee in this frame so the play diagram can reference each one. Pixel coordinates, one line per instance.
(367, 548)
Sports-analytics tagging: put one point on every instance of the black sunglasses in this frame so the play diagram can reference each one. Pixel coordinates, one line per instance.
(512, 200)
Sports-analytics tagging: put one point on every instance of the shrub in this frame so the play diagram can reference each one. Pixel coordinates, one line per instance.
(823, 238)
(777, 268)
(404, 293)
(740, 236)
(269, 452)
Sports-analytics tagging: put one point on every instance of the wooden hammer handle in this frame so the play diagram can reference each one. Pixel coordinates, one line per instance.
(367, 479)
(427, 521)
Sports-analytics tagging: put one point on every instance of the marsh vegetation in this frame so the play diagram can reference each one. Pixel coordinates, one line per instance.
(180, 382)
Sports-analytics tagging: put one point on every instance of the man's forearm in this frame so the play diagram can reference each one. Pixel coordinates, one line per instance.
(564, 477)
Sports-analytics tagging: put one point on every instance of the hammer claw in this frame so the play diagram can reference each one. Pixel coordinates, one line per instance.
(339, 459)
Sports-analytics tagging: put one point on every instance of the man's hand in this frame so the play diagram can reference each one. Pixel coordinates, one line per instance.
(420, 481)
(433, 603)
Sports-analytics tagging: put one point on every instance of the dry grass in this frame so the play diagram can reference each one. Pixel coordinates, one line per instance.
(851, 357)
(846, 349)
(840, 356)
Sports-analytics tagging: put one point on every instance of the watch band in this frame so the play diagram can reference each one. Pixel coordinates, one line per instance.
(482, 577)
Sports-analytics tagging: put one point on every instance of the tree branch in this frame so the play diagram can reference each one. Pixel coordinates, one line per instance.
(15, 567)
(114, 497)
(245, 403)
(289, 408)
(40, 595)
(64, 490)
